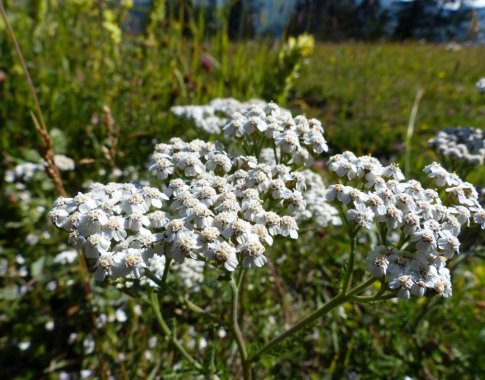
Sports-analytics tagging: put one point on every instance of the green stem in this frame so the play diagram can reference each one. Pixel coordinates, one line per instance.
(238, 336)
(166, 330)
(383, 233)
(403, 240)
(307, 321)
(166, 269)
(240, 277)
(197, 309)
(362, 286)
(275, 153)
(304, 323)
(374, 298)
(350, 268)
(160, 281)
(343, 215)
(410, 131)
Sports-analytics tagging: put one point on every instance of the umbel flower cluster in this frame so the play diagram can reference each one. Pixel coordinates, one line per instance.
(256, 124)
(213, 116)
(461, 145)
(297, 138)
(208, 206)
(418, 227)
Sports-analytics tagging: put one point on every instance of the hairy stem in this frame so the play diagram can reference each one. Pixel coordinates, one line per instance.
(307, 321)
(374, 298)
(166, 330)
(350, 268)
(236, 330)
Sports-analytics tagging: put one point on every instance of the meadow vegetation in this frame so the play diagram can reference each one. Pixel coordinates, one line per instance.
(106, 93)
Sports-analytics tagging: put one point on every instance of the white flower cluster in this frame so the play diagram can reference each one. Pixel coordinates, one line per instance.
(296, 137)
(210, 207)
(317, 210)
(322, 213)
(463, 145)
(191, 274)
(24, 172)
(480, 85)
(427, 227)
(213, 116)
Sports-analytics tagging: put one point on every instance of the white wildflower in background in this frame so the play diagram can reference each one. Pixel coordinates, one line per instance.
(64, 163)
(66, 257)
(49, 325)
(480, 85)
(24, 345)
(88, 345)
(424, 227)
(22, 172)
(460, 145)
(213, 116)
(191, 274)
(26, 171)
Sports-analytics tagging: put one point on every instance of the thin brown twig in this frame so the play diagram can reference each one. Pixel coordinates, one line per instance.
(113, 136)
(47, 153)
(39, 121)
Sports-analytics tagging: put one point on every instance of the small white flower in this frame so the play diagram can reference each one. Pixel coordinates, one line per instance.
(404, 283)
(361, 215)
(154, 197)
(393, 171)
(448, 243)
(135, 203)
(158, 219)
(137, 221)
(425, 240)
(223, 253)
(272, 222)
(339, 192)
(377, 261)
(480, 85)
(161, 165)
(95, 245)
(288, 227)
(253, 252)
(186, 246)
(479, 216)
(82, 202)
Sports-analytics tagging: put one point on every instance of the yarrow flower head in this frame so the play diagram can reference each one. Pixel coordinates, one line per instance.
(427, 227)
(209, 207)
(297, 138)
(460, 146)
(213, 116)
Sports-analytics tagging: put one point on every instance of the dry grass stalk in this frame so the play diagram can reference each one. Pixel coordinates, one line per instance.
(39, 122)
(113, 136)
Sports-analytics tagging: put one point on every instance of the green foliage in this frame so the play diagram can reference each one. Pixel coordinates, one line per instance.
(364, 94)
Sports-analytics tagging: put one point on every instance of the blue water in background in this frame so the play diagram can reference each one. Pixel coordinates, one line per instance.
(272, 16)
